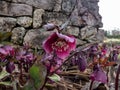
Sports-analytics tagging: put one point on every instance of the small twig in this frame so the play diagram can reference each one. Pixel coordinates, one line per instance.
(117, 78)
(91, 84)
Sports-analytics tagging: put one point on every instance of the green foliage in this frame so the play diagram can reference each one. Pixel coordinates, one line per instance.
(55, 77)
(37, 77)
(112, 36)
(4, 74)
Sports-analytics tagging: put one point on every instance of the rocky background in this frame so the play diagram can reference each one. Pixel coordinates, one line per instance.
(25, 19)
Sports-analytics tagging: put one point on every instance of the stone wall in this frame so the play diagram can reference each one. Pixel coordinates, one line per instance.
(25, 18)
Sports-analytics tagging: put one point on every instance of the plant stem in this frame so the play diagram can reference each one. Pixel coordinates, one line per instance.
(91, 84)
(48, 72)
(117, 78)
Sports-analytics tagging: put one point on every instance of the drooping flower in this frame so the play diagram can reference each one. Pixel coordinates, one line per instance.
(98, 75)
(61, 44)
(25, 56)
(10, 67)
(93, 51)
(81, 61)
(10, 50)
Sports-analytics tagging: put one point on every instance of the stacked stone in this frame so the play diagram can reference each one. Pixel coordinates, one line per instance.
(25, 18)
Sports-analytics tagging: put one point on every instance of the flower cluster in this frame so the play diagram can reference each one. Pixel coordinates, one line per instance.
(9, 56)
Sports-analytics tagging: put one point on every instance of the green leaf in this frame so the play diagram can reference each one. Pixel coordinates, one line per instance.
(3, 74)
(54, 77)
(7, 83)
(38, 74)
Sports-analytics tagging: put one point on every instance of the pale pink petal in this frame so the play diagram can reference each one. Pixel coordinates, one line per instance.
(72, 46)
(3, 51)
(67, 38)
(63, 54)
(49, 26)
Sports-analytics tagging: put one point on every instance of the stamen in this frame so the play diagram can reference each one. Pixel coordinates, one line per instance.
(60, 45)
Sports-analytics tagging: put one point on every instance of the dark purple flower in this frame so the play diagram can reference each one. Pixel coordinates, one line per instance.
(93, 51)
(98, 75)
(10, 67)
(25, 56)
(6, 52)
(61, 44)
(81, 61)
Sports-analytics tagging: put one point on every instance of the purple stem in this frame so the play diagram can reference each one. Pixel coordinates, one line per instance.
(117, 78)
(48, 72)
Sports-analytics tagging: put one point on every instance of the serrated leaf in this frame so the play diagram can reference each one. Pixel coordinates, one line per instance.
(38, 73)
(3, 74)
(54, 77)
(6, 83)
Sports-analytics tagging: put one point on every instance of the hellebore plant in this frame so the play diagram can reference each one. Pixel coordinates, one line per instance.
(98, 74)
(34, 71)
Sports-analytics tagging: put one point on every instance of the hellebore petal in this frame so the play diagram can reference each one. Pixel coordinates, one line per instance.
(49, 26)
(61, 44)
(10, 67)
(98, 75)
(3, 51)
(10, 50)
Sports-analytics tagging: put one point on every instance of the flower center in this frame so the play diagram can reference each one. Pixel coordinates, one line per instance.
(60, 45)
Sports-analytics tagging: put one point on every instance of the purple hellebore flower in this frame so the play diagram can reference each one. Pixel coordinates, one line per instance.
(93, 51)
(25, 56)
(61, 44)
(81, 61)
(10, 67)
(10, 50)
(98, 75)
(6, 52)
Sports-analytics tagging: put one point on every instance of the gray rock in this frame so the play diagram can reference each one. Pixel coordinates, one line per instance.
(72, 31)
(24, 21)
(92, 7)
(57, 18)
(89, 19)
(100, 35)
(7, 23)
(57, 6)
(13, 9)
(37, 18)
(43, 4)
(80, 42)
(35, 37)
(17, 35)
(76, 20)
(87, 32)
(68, 5)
